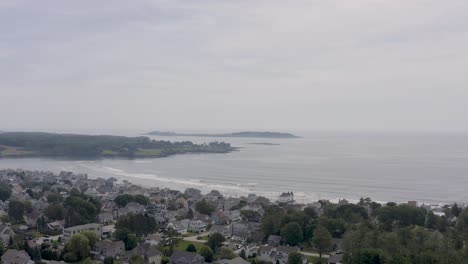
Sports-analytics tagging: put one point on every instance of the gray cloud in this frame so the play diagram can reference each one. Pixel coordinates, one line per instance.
(296, 65)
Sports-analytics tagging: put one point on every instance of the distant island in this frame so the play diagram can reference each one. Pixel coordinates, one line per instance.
(264, 143)
(36, 144)
(246, 134)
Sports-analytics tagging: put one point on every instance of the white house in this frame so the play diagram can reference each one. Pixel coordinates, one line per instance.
(287, 197)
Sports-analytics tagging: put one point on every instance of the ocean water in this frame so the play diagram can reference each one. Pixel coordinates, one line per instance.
(426, 167)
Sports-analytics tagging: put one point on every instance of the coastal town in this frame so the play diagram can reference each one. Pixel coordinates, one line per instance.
(68, 217)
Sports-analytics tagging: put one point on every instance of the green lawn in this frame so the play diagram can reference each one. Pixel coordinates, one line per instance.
(311, 259)
(148, 152)
(183, 245)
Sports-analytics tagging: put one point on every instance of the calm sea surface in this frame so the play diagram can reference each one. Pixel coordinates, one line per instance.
(431, 168)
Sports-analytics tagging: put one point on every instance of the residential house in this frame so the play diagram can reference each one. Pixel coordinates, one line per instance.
(108, 207)
(180, 257)
(131, 208)
(5, 233)
(13, 256)
(254, 207)
(282, 253)
(104, 218)
(55, 226)
(223, 230)
(192, 193)
(264, 253)
(69, 232)
(237, 260)
(219, 218)
(150, 253)
(31, 218)
(275, 255)
(286, 198)
(107, 248)
(250, 250)
(233, 215)
(213, 196)
(91, 192)
(274, 241)
(342, 202)
(179, 227)
(335, 259)
(197, 226)
(153, 239)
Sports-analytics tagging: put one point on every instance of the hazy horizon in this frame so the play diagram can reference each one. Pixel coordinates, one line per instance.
(233, 66)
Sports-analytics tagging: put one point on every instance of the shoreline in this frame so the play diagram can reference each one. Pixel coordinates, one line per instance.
(236, 191)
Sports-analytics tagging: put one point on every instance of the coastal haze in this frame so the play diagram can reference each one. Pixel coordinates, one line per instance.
(427, 167)
(389, 75)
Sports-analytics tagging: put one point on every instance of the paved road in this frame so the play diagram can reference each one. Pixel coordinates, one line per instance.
(195, 239)
(309, 254)
(41, 240)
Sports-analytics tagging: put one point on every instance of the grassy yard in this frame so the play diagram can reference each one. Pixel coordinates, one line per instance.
(183, 245)
(204, 238)
(311, 259)
(148, 152)
(8, 151)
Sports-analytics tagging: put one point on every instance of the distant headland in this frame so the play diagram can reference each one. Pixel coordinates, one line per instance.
(36, 144)
(245, 134)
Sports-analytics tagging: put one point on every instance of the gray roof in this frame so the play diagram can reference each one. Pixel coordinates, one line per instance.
(287, 249)
(337, 258)
(274, 238)
(237, 260)
(81, 227)
(16, 257)
(184, 257)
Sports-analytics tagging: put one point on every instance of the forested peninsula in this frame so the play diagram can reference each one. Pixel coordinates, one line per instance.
(37, 144)
(245, 134)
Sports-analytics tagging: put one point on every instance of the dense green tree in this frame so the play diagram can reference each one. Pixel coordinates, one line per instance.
(400, 216)
(351, 213)
(309, 211)
(130, 240)
(5, 191)
(141, 199)
(322, 240)
(124, 199)
(54, 198)
(136, 259)
(242, 254)
(250, 215)
(273, 220)
(294, 258)
(79, 211)
(27, 206)
(215, 241)
(369, 256)
(226, 253)
(204, 207)
(55, 212)
(455, 210)
(292, 234)
(191, 248)
(207, 253)
(139, 224)
(16, 211)
(109, 260)
(77, 248)
(171, 238)
(92, 238)
(12, 243)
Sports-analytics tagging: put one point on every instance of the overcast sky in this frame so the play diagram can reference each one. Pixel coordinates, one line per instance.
(234, 65)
